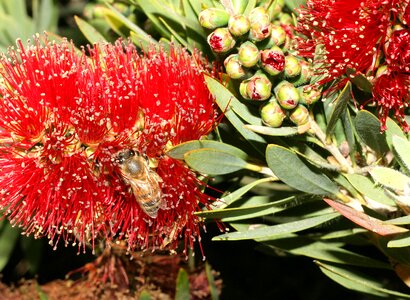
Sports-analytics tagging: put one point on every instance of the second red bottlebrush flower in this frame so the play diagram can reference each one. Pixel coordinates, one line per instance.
(84, 141)
(360, 36)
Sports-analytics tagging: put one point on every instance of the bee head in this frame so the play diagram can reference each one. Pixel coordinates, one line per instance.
(125, 155)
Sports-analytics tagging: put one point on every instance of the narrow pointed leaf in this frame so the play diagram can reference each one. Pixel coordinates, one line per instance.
(211, 281)
(281, 131)
(182, 287)
(92, 35)
(339, 107)
(289, 168)
(264, 233)
(8, 239)
(355, 280)
(359, 80)
(393, 129)
(402, 240)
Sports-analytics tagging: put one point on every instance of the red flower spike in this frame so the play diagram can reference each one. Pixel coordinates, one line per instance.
(391, 92)
(65, 119)
(351, 32)
(398, 51)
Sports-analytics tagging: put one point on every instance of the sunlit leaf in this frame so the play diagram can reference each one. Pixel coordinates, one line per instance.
(401, 148)
(402, 240)
(368, 188)
(390, 178)
(281, 131)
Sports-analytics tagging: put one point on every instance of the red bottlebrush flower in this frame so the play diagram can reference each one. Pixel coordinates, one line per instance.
(66, 118)
(391, 92)
(398, 51)
(351, 34)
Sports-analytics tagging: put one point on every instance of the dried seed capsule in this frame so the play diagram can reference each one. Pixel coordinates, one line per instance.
(272, 114)
(239, 25)
(221, 40)
(309, 94)
(273, 60)
(212, 18)
(248, 54)
(233, 67)
(292, 66)
(299, 115)
(258, 87)
(287, 95)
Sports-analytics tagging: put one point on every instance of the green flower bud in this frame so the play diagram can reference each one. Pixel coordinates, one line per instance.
(248, 54)
(285, 19)
(299, 115)
(277, 37)
(273, 60)
(292, 66)
(309, 94)
(212, 18)
(272, 114)
(258, 87)
(261, 28)
(221, 40)
(287, 95)
(233, 67)
(257, 13)
(305, 74)
(239, 25)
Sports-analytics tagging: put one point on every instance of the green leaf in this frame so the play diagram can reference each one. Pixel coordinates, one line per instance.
(393, 129)
(339, 107)
(399, 221)
(281, 131)
(46, 16)
(326, 251)
(368, 128)
(369, 189)
(266, 232)
(213, 161)
(251, 5)
(401, 148)
(289, 168)
(390, 178)
(242, 213)
(355, 280)
(294, 4)
(402, 240)
(234, 196)
(179, 151)
(182, 287)
(139, 33)
(40, 292)
(211, 281)
(8, 240)
(92, 35)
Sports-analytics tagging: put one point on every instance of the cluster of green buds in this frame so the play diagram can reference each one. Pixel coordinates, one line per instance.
(256, 47)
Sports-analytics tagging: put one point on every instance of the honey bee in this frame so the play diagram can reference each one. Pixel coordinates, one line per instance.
(144, 182)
